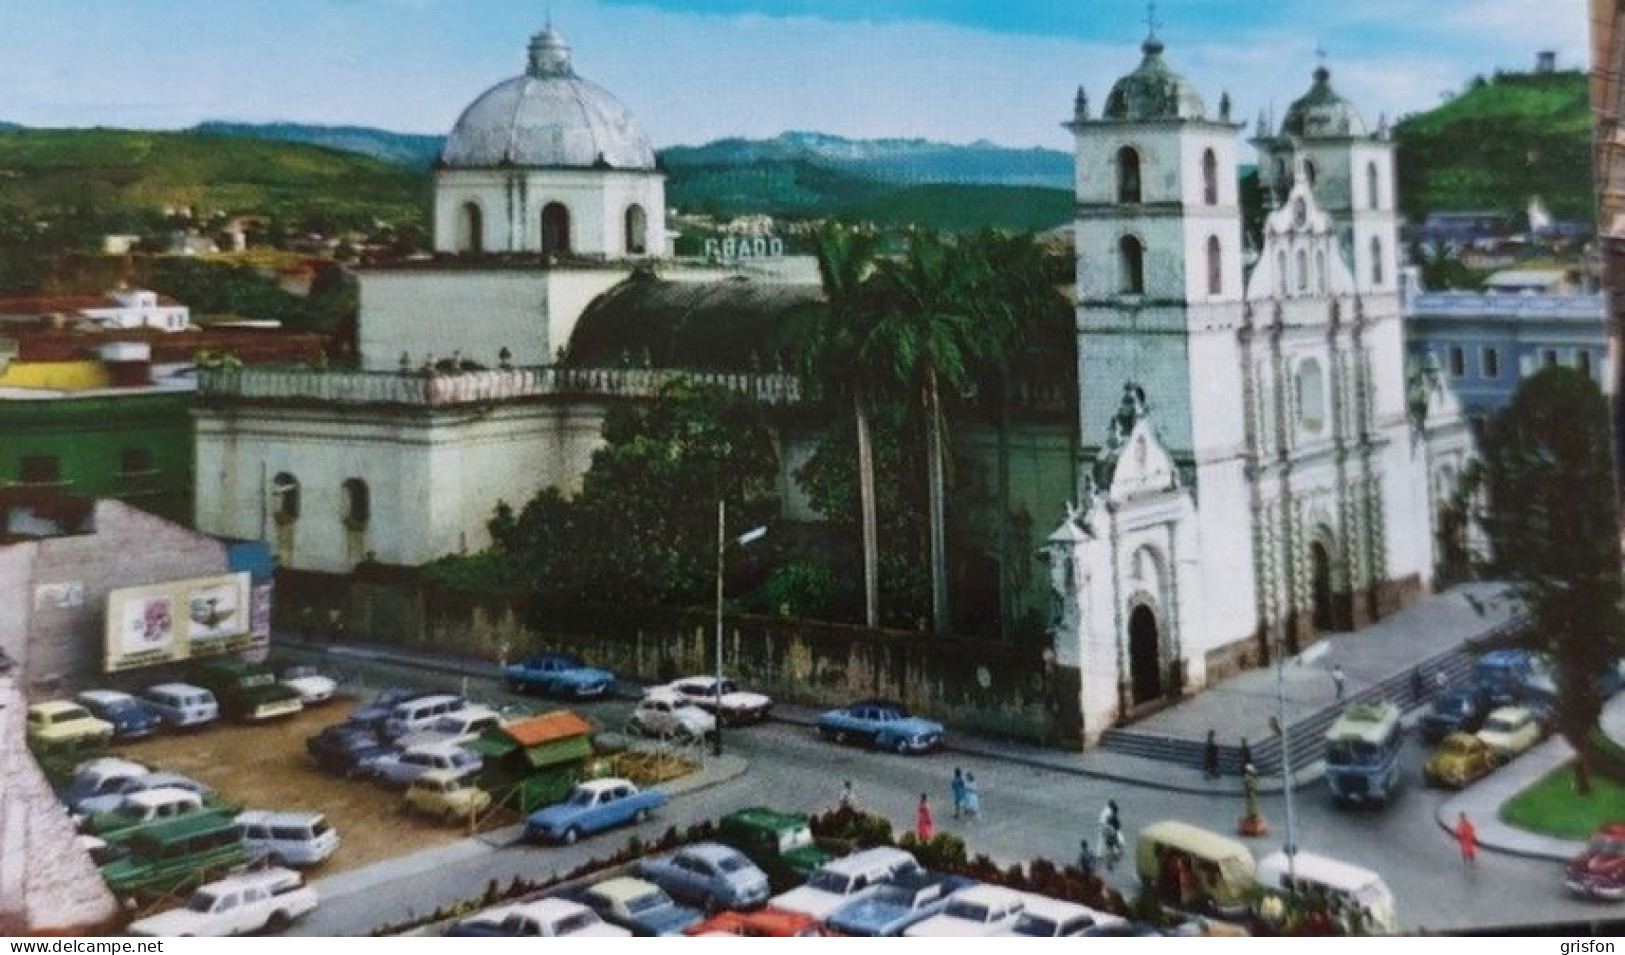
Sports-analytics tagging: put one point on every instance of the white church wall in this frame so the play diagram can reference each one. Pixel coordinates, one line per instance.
(433, 312)
(569, 292)
(511, 205)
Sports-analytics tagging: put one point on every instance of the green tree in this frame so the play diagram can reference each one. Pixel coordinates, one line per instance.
(1553, 522)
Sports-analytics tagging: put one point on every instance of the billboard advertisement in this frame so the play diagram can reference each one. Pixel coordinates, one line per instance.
(178, 620)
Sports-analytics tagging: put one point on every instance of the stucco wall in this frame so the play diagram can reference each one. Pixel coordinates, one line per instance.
(511, 205)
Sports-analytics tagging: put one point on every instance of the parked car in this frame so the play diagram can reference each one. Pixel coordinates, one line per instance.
(1510, 731)
(449, 795)
(457, 728)
(270, 899)
(313, 686)
(548, 918)
(419, 713)
(1043, 917)
(708, 875)
(841, 880)
(100, 777)
(400, 768)
(735, 706)
(1599, 871)
(146, 782)
(182, 704)
(558, 674)
(167, 856)
(881, 724)
(288, 838)
(762, 923)
(978, 911)
(347, 750)
(643, 908)
(593, 806)
(1460, 710)
(246, 692)
(887, 911)
(1499, 676)
(59, 722)
(781, 844)
(131, 718)
(139, 809)
(373, 714)
(665, 714)
(1460, 759)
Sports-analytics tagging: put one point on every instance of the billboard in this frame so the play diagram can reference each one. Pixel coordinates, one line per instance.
(178, 620)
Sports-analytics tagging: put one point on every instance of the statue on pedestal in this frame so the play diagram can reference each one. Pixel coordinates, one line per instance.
(1252, 824)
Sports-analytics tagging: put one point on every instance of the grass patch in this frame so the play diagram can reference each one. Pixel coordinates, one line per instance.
(1551, 808)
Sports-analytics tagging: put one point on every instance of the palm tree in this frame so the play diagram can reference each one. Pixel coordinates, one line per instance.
(828, 355)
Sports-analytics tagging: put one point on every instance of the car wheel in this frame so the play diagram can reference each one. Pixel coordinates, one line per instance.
(901, 747)
(571, 835)
(840, 737)
(275, 861)
(641, 816)
(277, 922)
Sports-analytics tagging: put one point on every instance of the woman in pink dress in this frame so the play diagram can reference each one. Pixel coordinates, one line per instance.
(924, 828)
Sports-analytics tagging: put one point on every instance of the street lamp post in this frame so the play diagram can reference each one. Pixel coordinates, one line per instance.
(748, 537)
(1291, 846)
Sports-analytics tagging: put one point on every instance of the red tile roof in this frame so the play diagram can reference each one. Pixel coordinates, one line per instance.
(547, 728)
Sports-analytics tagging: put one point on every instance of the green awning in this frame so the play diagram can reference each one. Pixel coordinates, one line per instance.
(492, 747)
(573, 749)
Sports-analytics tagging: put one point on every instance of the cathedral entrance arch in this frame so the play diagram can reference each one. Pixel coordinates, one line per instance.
(471, 229)
(1320, 577)
(1144, 656)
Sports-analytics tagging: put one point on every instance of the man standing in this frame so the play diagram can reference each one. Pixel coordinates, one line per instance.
(1467, 836)
(1337, 680)
(1210, 757)
(958, 788)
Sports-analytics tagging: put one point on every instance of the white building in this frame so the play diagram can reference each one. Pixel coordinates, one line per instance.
(1256, 466)
(136, 308)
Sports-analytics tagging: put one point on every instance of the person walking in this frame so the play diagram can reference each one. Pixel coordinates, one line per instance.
(1467, 837)
(958, 788)
(848, 800)
(1111, 834)
(924, 827)
(1246, 755)
(973, 798)
(1337, 680)
(1087, 860)
(1210, 757)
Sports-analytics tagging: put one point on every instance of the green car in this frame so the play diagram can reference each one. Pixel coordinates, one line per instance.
(172, 855)
(779, 843)
(246, 692)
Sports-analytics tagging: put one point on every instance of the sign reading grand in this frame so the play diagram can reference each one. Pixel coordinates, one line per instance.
(178, 620)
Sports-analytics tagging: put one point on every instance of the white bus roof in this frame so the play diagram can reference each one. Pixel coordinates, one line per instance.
(1315, 868)
(1365, 722)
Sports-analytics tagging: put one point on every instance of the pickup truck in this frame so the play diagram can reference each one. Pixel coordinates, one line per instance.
(557, 674)
(593, 806)
(270, 899)
(246, 692)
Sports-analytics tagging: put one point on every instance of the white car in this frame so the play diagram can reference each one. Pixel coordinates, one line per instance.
(400, 768)
(1510, 731)
(1044, 917)
(553, 918)
(978, 911)
(272, 899)
(844, 880)
(182, 704)
(737, 706)
(456, 728)
(665, 714)
(140, 808)
(288, 838)
(312, 686)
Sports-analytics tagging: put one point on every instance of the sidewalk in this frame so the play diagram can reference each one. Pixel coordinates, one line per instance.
(1483, 800)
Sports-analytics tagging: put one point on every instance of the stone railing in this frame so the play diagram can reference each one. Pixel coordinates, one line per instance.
(1587, 307)
(446, 389)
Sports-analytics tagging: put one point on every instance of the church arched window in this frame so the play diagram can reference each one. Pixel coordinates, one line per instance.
(1215, 266)
(1311, 395)
(1373, 186)
(637, 230)
(1376, 261)
(1310, 172)
(285, 498)
(555, 229)
(1128, 176)
(1320, 271)
(1280, 273)
(470, 228)
(1303, 271)
(1210, 178)
(357, 504)
(1130, 266)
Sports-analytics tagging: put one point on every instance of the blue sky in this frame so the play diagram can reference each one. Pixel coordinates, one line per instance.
(955, 70)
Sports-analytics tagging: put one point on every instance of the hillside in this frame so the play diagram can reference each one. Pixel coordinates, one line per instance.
(905, 161)
(967, 208)
(404, 149)
(114, 171)
(1497, 144)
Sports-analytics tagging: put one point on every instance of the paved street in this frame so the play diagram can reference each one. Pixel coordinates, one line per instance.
(1027, 813)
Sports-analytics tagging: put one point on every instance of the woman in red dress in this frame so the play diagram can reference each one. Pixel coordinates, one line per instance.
(924, 827)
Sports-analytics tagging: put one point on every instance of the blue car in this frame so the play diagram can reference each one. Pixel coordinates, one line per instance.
(558, 674)
(1457, 711)
(593, 806)
(709, 875)
(910, 897)
(1500, 675)
(372, 715)
(883, 725)
(131, 718)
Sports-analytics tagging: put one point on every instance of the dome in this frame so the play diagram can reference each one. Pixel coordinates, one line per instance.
(1154, 92)
(1322, 113)
(548, 117)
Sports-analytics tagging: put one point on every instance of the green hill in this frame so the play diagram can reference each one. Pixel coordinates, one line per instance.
(956, 208)
(1498, 143)
(114, 171)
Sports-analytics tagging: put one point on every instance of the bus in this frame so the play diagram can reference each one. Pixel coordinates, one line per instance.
(1362, 754)
(175, 855)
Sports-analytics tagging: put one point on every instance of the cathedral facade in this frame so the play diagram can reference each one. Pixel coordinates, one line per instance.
(1257, 465)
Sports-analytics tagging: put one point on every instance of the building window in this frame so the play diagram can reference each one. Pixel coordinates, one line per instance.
(1373, 186)
(1210, 178)
(40, 469)
(1492, 363)
(357, 504)
(555, 229)
(1320, 271)
(1128, 176)
(1215, 266)
(1310, 172)
(135, 461)
(1311, 395)
(471, 229)
(1376, 261)
(285, 498)
(1550, 358)
(637, 230)
(1303, 271)
(1582, 361)
(1458, 361)
(1131, 266)
(1280, 273)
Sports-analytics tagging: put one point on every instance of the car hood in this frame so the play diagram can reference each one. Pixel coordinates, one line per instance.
(173, 922)
(1598, 865)
(914, 726)
(668, 918)
(586, 675)
(815, 902)
(311, 684)
(97, 804)
(274, 693)
(554, 815)
(806, 859)
(742, 700)
(871, 915)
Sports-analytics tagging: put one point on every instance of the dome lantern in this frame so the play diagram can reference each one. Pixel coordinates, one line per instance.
(549, 55)
(1154, 92)
(1322, 112)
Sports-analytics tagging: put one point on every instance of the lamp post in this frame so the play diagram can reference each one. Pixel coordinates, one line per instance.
(1291, 846)
(749, 537)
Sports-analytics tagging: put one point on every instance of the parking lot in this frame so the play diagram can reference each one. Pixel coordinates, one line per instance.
(265, 767)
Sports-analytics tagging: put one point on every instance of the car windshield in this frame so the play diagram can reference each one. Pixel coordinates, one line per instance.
(896, 895)
(318, 829)
(731, 863)
(1500, 725)
(645, 903)
(581, 797)
(1036, 927)
(201, 902)
(69, 715)
(1459, 745)
(728, 686)
(574, 923)
(795, 838)
(826, 881)
(1345, 752)
(296, 673)
(969, 911)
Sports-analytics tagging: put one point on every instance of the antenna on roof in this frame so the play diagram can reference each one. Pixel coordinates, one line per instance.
(1151, 21)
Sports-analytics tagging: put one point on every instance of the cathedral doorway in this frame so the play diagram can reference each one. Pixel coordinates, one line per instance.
(1144, 656)
(981, 608)
(1320, 571)
(471, 229)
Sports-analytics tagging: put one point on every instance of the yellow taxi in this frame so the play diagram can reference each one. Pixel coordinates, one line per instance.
(1460, 759)
(62, 722)
(443, 793)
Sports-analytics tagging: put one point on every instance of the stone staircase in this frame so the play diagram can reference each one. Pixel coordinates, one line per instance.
(1307, 734)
